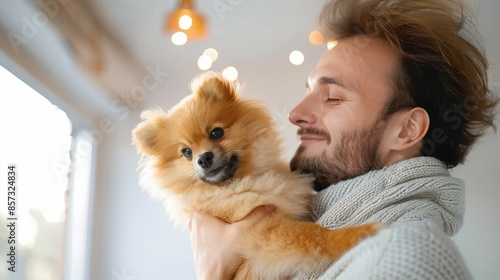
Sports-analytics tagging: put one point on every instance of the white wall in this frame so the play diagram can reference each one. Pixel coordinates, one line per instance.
(477, 239)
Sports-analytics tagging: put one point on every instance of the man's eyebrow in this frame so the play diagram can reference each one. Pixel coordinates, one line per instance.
(332, 80)
(329, 81)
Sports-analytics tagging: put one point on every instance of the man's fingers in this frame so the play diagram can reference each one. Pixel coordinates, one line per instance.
(199, 219)
(259, 213)
(202, 220)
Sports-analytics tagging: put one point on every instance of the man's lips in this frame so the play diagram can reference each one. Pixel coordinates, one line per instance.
(311, 138)
(313, 135)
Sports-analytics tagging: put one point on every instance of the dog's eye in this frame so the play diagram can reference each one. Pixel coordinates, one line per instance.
(216, 133)
(187, 152)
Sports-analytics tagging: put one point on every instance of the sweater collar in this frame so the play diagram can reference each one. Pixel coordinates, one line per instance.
(415, 189)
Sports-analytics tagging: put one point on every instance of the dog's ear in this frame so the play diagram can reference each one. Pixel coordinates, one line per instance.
(213, 86)
(145, 135)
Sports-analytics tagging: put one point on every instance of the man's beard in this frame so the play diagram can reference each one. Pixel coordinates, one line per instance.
(355, 154)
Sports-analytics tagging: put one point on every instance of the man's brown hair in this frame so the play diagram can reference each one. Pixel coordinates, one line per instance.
(442, 65)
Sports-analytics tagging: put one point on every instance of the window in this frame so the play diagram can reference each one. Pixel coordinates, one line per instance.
(38, 138)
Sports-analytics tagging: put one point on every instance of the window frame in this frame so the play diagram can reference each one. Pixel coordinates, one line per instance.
(82, 176)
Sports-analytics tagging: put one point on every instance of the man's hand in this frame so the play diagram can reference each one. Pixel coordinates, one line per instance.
(212, 241)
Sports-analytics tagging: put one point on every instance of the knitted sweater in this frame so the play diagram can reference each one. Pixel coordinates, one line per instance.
(422, 206)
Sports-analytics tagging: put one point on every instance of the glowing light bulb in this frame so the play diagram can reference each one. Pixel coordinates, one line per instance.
(212, 53)
(316, 38)
(179, 38)
(204, 62)
(331, 44)
(296, 57)
(185, 22)
(230, 73)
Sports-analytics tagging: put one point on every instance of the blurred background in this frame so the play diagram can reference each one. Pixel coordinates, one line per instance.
(74, 77)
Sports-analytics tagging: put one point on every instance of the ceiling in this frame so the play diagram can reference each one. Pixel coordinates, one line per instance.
(244, 32)
(248, 34)
(254, 36)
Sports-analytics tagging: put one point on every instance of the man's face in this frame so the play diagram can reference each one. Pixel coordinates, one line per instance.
(340, 129)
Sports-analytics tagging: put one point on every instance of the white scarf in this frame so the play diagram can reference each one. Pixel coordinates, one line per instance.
(415, 189)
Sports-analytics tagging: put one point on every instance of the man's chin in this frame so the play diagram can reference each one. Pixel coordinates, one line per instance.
(312, 150)
(303, 154)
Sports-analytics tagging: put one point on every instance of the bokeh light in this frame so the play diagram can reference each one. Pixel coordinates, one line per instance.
(179, 38)
(296, 57)
(185, 22)
(230, 73)
(212, 53)
(204, 62)
(331, 44)
(316, 38)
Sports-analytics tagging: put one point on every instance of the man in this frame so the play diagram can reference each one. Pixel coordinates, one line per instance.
(398, 101)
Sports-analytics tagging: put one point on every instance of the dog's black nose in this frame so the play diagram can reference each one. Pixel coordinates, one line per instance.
(206, 160)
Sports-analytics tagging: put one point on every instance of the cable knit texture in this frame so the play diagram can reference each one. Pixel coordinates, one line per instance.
(422, 206)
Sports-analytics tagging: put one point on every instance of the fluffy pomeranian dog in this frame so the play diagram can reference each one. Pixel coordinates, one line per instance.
(217, 153)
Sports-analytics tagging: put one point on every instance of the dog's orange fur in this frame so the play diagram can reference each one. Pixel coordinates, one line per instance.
(275, 247)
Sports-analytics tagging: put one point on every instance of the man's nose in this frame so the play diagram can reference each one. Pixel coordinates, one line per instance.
(306, 112)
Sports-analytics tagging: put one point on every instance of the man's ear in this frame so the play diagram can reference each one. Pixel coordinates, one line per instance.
(145, 135)
(409, 128)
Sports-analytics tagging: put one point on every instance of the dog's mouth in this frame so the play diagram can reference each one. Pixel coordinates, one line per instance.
(219, 171)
